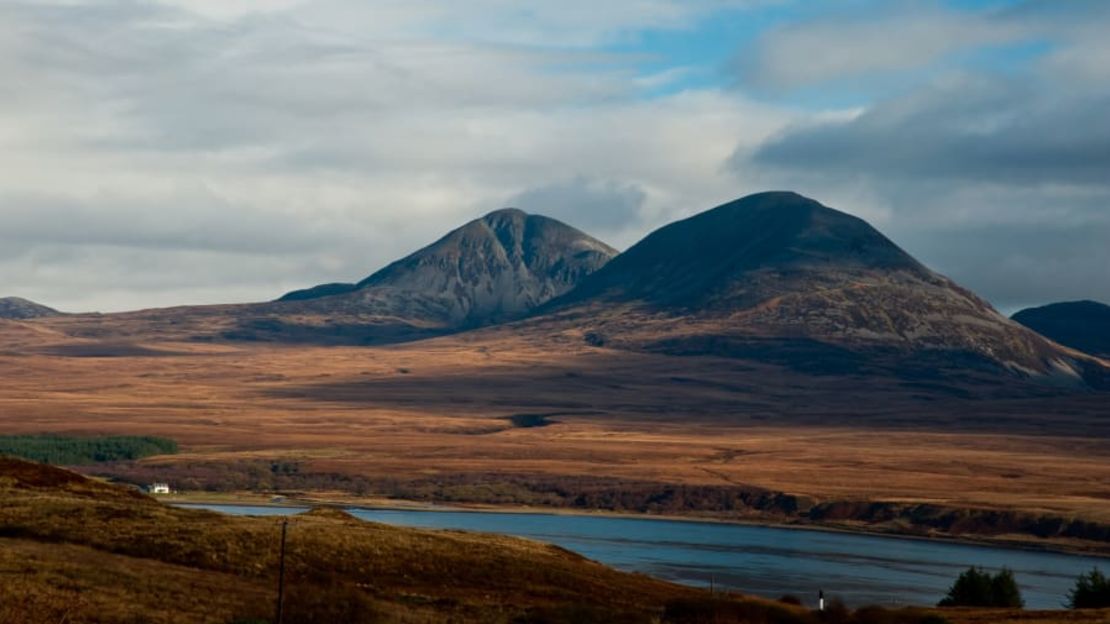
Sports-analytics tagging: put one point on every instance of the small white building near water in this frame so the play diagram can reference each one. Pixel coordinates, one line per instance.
(158, 488)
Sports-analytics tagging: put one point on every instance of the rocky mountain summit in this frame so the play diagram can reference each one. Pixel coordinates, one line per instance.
(492, 269)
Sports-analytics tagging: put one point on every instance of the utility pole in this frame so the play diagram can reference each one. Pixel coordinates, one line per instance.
(281, 574)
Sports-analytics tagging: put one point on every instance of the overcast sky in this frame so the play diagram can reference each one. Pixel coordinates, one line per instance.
(209, 151)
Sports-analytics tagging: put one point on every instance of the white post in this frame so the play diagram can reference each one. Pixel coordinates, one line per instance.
(821, 600)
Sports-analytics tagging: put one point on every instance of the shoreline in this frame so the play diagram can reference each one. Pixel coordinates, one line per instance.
(1086, 549)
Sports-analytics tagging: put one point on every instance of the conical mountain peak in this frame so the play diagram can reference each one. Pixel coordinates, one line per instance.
(493, 268)
(713, 254)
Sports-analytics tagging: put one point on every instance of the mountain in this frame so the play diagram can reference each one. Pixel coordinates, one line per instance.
(494, 268)
(778, 276)
(16, 308)
(1083, 325)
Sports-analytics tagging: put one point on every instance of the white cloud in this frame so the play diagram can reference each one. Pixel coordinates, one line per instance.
(197, 152)
(897, 37)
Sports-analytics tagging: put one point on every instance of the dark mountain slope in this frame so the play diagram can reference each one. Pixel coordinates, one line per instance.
(780, 277)
(315, 292)
(16, 308)
(708, 258)
(1083, 325)
(494, 268)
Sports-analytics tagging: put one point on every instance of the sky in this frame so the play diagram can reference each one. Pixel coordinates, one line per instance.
(157, 153)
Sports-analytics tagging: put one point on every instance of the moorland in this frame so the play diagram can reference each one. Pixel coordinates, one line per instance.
(82, 551)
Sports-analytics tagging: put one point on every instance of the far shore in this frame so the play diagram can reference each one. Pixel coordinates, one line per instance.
(251, 499)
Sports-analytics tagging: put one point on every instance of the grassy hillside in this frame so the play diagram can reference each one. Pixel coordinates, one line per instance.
(76, 550)
(83, 538)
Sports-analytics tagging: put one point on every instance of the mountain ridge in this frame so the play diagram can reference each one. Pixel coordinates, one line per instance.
(773, 277)
(1082, 325)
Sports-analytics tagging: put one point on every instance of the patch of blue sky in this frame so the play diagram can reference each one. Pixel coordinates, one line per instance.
(699, 56)
(711, 52)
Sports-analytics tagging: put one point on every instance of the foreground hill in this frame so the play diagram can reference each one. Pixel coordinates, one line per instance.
(17, 308)
(780, 277)
(75, 550)
(1083, 325)
(219, 568)
(491, 269)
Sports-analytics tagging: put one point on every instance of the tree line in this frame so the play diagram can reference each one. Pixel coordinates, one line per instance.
(977, 587)
(77, 450)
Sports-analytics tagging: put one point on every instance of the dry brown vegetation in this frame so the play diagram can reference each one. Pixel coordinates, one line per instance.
(443, 409)
(65, 536)
(74, 550)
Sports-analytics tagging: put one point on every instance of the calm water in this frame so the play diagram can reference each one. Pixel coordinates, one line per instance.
(861, 569)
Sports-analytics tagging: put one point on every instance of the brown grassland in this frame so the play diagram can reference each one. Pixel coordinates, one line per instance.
(75, 550)
(449, 409)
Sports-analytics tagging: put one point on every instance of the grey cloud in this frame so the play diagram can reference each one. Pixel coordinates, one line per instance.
(163, 79)
(970, 129)
(877, 46)
(872, 40)
(1017, 265)
(1000, 184)
(84, 278)
(186, 220)
(998, 178)
(594, 205)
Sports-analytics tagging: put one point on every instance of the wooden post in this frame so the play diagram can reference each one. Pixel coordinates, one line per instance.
(281, 574)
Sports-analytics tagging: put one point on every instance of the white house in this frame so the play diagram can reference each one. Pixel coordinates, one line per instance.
(158, 488)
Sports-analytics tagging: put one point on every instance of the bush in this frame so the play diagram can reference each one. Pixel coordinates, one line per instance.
(906, 615)
(1091, 591)
(722, 610)
(791, 599)
(1005, 591)
(979, 588)
(313, 604)
(579, 614)
(836, 612)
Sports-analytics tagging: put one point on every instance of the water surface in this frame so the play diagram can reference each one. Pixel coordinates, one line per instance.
(861, 569)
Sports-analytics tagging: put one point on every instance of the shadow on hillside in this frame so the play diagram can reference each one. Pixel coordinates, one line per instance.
(275, 330)
(715, 390)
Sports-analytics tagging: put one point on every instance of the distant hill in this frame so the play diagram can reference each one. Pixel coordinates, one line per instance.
(778, 276)
(1082, 325)
(16, 308)
(316, 292)
(494, 268)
